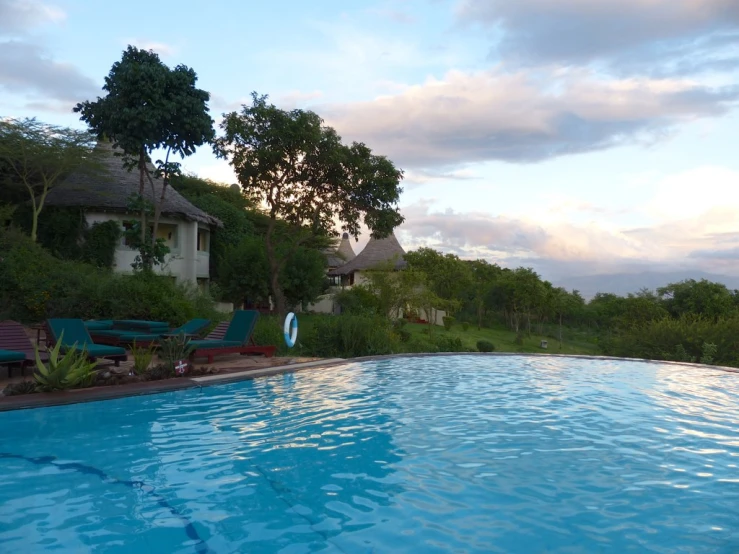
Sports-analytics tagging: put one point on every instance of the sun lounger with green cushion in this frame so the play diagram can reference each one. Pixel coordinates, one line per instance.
(99, 324)
(14, 340)
(125, 336)
(141, 326)
(73, 333)
(11, 358)
(235, 340)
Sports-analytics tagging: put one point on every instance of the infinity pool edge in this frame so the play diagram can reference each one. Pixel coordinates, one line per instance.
(41, 400)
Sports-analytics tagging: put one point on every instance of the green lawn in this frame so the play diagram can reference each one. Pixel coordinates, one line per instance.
(504, 340)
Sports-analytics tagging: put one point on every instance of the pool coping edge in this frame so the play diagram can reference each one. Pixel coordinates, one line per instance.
(42, 400)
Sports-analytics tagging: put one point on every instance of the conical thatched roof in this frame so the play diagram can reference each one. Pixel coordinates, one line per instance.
(375, 253)
(339, 256)
(109, 187)
(345, 250)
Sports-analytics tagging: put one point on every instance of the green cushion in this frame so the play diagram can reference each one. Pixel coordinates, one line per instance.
(9, 356)
(126, 335)
(198, 344)
(241, 326)
(192, 327)
(102, 350)
(99, 324)
(73, 331)
(141, 324)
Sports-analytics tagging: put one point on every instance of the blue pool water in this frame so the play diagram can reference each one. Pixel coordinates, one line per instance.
(429, 455)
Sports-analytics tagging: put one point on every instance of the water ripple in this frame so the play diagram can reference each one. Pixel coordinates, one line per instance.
(438, 455)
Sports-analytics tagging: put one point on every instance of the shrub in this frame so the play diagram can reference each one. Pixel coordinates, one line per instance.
(159, 372)
(23, 387)
(420, 345)
(349, 337)
(142, 358)
(681, 339)
(268, 331)
(358, 300)
(448, 322)
(34, 285)
(447, 344)
(403, 334)
(400, 323)
(709, 351)
(99, 245)
(174, 349)
(465, 326)
(485, 346)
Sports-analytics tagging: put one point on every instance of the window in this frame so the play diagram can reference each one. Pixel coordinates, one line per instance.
(125, 239)
(203, 240)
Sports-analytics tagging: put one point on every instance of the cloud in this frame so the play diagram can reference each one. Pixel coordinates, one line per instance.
(396, 16)
(420, 177)
(705, 238)
(727, 254)
(523, 116)
(17, 16)
(158, 47)
(624, 32)
(296, 98)
(26, 69)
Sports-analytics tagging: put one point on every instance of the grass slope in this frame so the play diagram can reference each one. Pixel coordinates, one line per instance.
(505, 340)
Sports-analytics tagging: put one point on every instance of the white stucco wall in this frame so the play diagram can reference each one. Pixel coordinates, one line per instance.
(184, 262)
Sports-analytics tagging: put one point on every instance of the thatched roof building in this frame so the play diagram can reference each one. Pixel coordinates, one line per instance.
(341, 255)
(108, 188)
(375, 253)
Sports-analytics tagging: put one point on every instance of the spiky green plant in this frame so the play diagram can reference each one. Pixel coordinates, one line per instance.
(63, 372)
(142, 358)
(173, 349)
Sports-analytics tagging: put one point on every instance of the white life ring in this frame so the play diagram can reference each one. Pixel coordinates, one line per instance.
(291, 329)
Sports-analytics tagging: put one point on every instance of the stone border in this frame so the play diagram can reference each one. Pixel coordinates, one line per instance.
(94, 394)
(26, 401)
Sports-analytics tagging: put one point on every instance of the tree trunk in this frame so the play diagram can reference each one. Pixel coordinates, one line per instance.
(142, 172)
(274, 270)
(158, 205)
(34, 224)
(560, 331)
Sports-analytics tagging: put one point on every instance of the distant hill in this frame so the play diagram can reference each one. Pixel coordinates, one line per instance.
(624, 283)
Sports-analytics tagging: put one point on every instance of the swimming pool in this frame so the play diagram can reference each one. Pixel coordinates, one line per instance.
(432, 455)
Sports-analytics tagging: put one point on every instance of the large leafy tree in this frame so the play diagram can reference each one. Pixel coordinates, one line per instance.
(149, 107)
(35, 157)
(704, 298)
(244, 273)
(305, 176)
(448, 276)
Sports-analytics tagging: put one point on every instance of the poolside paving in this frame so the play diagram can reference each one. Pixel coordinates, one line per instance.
(229, 367)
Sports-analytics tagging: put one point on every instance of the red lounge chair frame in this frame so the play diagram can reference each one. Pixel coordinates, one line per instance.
(13, 337)
(217, 334)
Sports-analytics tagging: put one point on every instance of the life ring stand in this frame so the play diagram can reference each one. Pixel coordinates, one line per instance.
(291, 329)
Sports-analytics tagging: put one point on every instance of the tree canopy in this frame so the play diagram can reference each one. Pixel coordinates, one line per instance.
(36, 157)
(305, 176)
(149, 106)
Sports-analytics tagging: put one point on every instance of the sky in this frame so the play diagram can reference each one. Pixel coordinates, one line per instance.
(576, 137)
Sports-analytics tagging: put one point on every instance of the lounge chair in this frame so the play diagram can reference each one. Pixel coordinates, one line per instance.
(141, 326)
(76, 335)
(14, 340)
(142, 338)
(11, 359)
(234, 337)
(99, 324)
